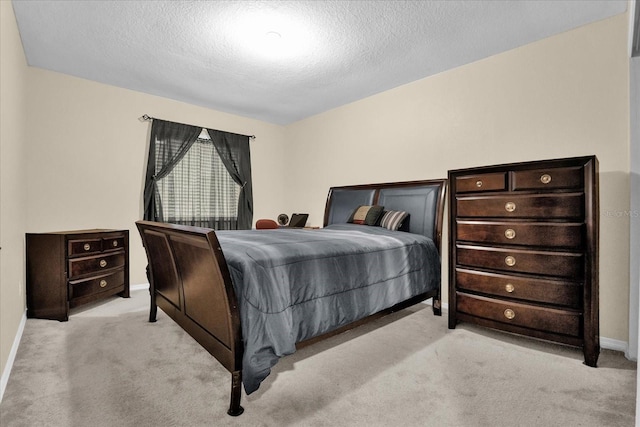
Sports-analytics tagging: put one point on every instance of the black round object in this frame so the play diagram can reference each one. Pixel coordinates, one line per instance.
(283, 219)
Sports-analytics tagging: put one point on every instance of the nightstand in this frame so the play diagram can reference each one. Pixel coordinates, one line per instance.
(72, 268)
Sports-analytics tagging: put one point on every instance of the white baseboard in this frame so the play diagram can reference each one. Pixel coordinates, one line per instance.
(4, 380)
(140, 287)
(617, 345)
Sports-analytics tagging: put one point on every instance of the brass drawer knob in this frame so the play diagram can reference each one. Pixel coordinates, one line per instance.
(510, 206)
(509, 287)
(510, 261)
(509, 314)
(509, 233)
(115, 243)
(479, 183)
(545, 179)
(87, 246)
(103, 263)
(103, 283)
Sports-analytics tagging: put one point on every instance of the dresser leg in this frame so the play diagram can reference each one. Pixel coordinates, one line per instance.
(452, 319)
(591, 356)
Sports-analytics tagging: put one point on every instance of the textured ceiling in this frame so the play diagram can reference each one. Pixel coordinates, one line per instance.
(213, 53)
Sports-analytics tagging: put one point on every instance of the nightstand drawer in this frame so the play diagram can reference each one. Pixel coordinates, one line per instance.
(569, 205)
(566, 322)
(556, 292)
(94, 285)
(113, 243)
(561, 264)
(482, 182)
(548, 179)
(95, 264)
(84, 247)
(568, 235)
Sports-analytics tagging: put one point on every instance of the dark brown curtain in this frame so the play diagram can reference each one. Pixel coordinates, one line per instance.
(234, 152)
(169, 143)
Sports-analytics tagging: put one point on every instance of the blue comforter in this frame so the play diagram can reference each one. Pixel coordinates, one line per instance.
(295, 284)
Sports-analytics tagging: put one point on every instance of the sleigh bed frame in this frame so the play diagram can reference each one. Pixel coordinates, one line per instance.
(190, 280)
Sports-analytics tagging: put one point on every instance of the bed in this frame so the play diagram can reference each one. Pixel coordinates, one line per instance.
(250, 297)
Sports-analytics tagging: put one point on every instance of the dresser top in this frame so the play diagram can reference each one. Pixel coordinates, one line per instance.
(564, 162)
(88, 231)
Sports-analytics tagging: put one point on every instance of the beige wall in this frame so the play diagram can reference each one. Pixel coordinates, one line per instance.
(13, 199)
(87, 155)
(563, 96)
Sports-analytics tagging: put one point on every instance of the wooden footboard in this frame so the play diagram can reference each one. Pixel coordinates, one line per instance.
(189, 280)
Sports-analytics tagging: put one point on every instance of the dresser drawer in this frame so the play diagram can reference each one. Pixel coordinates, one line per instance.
(548, 179)
(113, 243)
(566, 322)
(84, 246)
(531, 289)
(561, 264)
(568, 206)
(84, 287)
(95, 264)
(568, 235)
(482, 182)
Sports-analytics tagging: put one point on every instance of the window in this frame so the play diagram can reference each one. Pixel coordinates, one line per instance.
(198, 177)
(199, 191)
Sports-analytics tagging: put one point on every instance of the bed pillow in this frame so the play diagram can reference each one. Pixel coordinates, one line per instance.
(366, 215)
(392, 220)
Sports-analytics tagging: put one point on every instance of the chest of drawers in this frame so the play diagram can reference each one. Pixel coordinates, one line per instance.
(524, 250)
(68, 269)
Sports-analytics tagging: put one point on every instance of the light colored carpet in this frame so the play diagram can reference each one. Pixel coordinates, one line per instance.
(108, 366)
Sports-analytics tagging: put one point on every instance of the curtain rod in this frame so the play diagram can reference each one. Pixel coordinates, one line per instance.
(147, 118)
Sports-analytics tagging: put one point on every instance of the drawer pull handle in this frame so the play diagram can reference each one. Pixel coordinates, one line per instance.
(509, 314)
(509, 287)
(103, 283)
(510, 233)
(510, 206)
(510, 261)
(115, 243)
(545, 179)
(479, 183)
(103, 263)
(87, 246)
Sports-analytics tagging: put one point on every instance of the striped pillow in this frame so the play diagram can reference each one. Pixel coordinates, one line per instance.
(393, 220)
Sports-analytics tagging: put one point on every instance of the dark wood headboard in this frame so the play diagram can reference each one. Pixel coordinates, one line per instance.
(423, 200)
